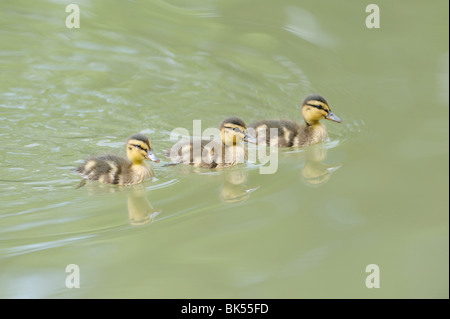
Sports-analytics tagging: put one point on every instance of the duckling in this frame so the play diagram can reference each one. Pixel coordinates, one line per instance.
(212, 153)
(119, 170)
(293, 134)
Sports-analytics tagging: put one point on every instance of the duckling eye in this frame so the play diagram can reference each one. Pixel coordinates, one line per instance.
(318, 106)
(139, 147)
(236, 129)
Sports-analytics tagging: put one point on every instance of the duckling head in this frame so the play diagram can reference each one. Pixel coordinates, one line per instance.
(233, 131)
(140, 147)
(316, 108)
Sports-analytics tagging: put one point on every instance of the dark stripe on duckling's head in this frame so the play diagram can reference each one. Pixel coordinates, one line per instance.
(232, 122)
(317, 101)
(315, 97)
(140, 137)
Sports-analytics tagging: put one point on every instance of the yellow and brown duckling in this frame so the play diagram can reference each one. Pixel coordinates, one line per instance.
(212, 153)
(293, 134)
(119, 170)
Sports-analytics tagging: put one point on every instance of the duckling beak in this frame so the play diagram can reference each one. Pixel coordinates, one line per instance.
(152, 157)
(250, 139)
(333, 117)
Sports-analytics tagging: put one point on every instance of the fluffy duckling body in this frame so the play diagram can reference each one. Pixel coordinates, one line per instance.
(211, 154)
(118, 170)
(293, 134)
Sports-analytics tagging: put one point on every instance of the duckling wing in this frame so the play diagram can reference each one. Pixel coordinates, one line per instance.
(107, 169)
(287, 132)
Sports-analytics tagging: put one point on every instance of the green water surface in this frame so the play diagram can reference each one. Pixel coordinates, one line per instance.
(376, 192)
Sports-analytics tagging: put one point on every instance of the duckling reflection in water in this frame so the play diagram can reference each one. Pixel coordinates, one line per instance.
(140, 211)
(315, 172)
(113, 169)
(214, 154)
(234, 189)
(293, 134)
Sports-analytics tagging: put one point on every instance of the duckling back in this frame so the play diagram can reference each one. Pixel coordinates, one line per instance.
(114, 169)
(211, 154)
(290, 133)
(287, 132)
